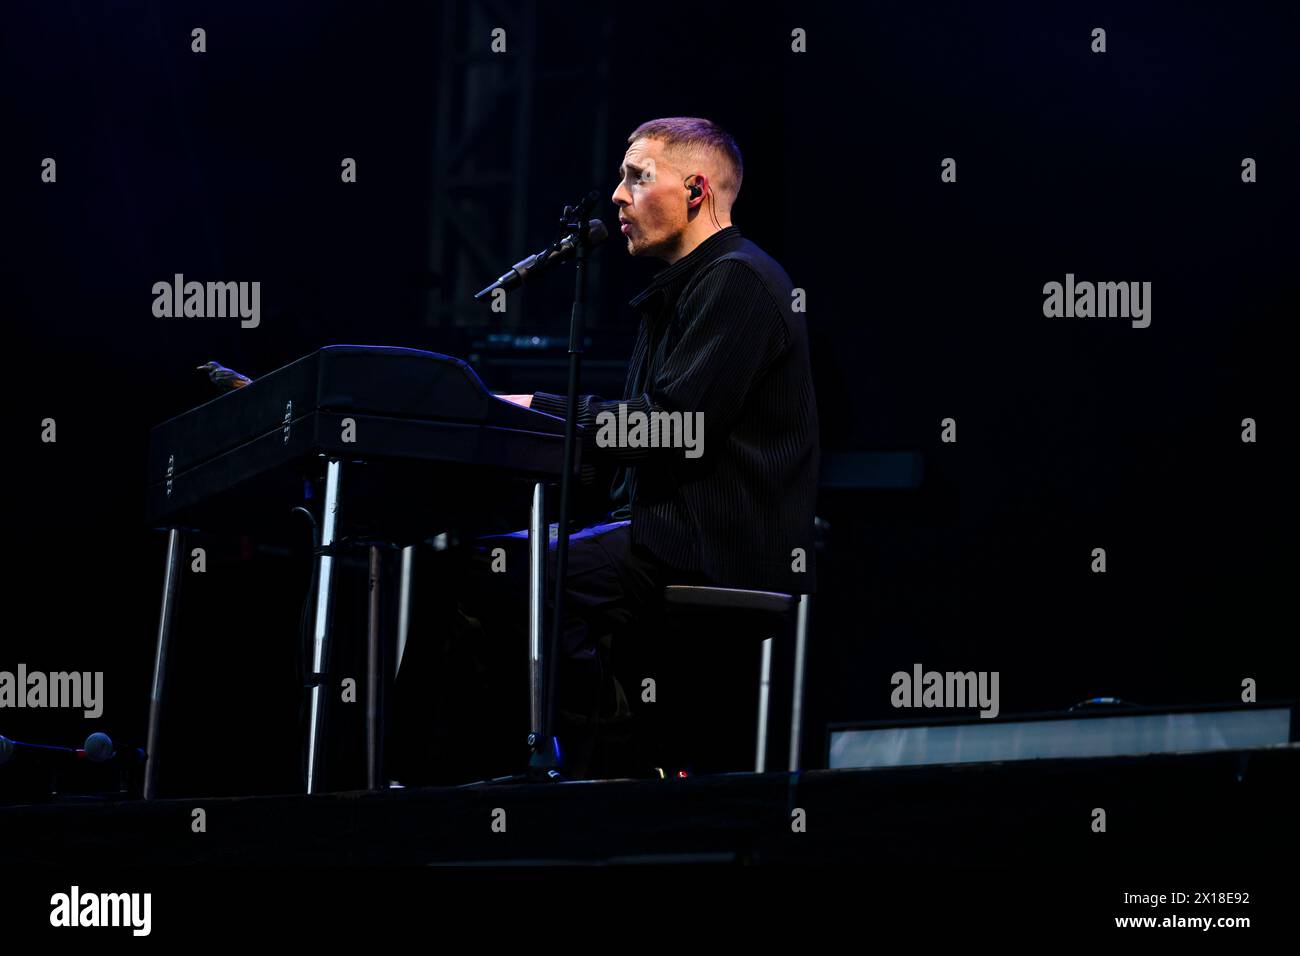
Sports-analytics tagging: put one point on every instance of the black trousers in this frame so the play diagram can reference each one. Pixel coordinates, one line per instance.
(466, 685)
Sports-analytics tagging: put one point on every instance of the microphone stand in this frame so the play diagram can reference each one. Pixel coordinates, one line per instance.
(546, 761)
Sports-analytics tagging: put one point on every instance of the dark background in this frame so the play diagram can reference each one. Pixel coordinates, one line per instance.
(924, 302)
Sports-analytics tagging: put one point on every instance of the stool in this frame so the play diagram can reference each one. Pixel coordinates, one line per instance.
(767, 614)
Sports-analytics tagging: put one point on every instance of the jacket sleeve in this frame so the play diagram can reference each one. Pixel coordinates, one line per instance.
(735, 330)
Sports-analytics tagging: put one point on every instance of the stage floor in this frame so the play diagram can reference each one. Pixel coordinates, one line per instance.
(1180, 809)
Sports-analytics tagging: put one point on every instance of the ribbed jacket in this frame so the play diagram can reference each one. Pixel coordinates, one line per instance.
(718, 336)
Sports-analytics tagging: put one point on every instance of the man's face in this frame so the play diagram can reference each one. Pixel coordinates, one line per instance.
(651, 200)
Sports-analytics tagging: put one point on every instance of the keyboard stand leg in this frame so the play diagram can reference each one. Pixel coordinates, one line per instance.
(320, 641)
(537, 541)
(171, 588)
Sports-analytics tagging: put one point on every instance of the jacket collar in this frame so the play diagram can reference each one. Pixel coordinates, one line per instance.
(671, 280)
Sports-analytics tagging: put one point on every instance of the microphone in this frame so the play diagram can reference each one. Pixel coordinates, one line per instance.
(99, 748)
(544, 260)
(223, 377)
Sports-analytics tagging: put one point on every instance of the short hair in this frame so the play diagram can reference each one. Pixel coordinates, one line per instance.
(692, 134)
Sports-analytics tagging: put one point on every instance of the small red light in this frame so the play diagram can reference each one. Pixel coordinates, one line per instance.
(681, 774)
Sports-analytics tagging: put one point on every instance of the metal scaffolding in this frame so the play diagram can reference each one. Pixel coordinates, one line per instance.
(482, 153)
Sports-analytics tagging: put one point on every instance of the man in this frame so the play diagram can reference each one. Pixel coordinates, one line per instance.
(719, 344)
(718, 339)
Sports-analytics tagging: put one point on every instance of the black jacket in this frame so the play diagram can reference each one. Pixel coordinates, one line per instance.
(719, 336)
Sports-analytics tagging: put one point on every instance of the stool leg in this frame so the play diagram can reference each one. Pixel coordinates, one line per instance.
(764, 693)
(404, 606)
(796, 707)
(374, 675)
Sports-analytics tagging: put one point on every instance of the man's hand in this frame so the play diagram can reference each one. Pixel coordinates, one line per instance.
(524, 400)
